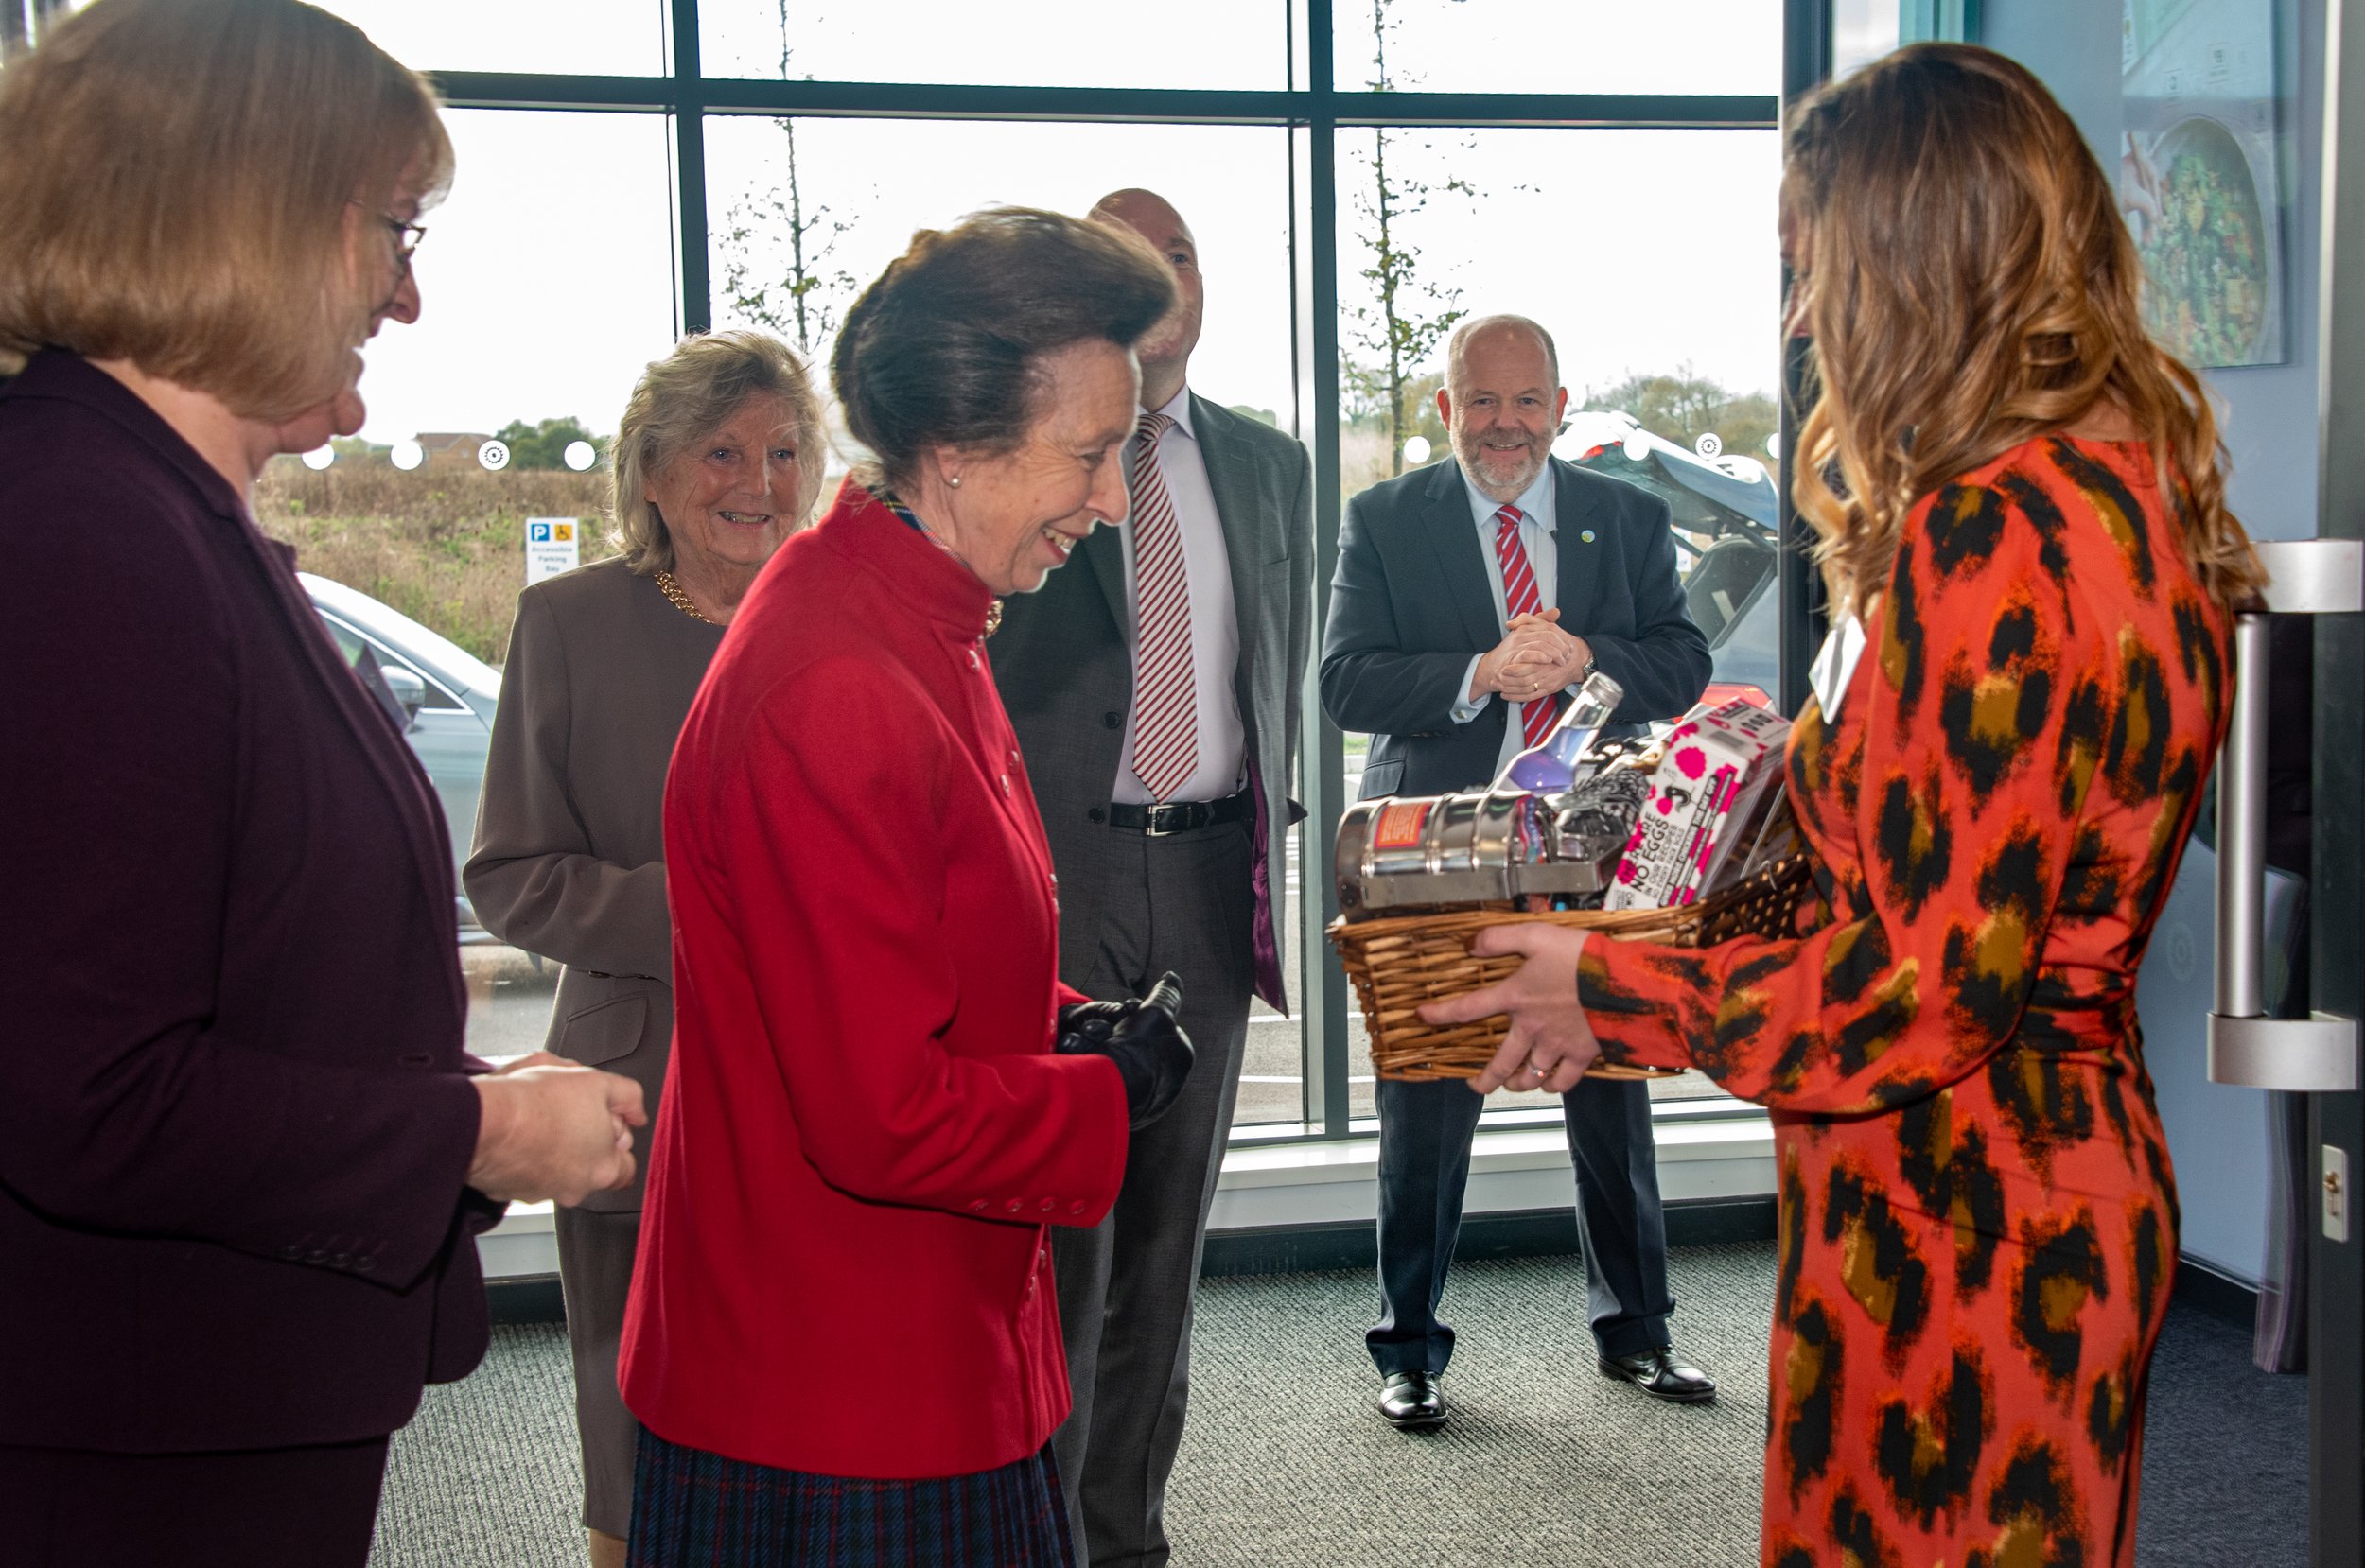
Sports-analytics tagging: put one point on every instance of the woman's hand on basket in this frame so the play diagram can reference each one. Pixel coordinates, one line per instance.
(1551, 1043)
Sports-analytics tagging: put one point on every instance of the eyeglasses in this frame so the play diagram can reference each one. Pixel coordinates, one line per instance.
(406, 237)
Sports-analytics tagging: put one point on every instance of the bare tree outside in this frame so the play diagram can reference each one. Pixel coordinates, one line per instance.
(1409, 318)
(802, 304)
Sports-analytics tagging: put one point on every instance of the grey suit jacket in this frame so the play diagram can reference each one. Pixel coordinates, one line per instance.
(569, 855)
(1066, 673)
(1409, 603)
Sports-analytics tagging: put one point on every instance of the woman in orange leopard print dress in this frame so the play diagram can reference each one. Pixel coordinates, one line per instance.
(1978, 1218)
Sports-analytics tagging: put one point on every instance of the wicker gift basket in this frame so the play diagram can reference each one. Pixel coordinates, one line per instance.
(1397, 963)
(1686, 840)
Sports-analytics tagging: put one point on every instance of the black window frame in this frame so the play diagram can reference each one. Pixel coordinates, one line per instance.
(1317, 106)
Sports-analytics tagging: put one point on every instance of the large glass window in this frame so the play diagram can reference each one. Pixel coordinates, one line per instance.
(545, 283)
(574, 37)
(1216, 44)
(24, 22)
(1649, 256)
(806, 211)
(573, 248)
(1576, 46)
(1862, 31)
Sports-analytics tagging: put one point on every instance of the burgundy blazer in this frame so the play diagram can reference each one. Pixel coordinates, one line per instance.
(235, 1123)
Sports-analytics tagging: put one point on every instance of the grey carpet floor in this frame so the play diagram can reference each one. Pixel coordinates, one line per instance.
(1545, 1463)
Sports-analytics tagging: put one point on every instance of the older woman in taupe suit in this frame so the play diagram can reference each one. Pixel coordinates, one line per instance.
(718, 462)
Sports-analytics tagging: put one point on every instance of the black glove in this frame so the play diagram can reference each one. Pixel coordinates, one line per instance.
(1087, 1025)
(1151, 1052)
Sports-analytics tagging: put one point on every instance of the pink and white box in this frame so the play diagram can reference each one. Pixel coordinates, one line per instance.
(1717, 769)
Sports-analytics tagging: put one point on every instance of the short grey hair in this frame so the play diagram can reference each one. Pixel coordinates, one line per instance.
(685, 397)
(1472, 325)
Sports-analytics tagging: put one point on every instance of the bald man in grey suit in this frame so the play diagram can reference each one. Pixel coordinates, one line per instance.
(1154, 686)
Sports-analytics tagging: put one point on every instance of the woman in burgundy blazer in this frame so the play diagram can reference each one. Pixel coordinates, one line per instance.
(843, 1339)
(241, 1158)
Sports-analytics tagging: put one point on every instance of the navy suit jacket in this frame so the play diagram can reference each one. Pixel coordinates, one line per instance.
(1409, 605)
(234, 1121)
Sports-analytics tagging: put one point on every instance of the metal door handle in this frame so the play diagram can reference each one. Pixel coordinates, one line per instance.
(2316, 1054)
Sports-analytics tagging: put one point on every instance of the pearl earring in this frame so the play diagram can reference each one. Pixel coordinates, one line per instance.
(953, 479)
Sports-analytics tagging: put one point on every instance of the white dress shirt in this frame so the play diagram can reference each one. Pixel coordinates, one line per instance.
(1539, 517)
(1214, 626)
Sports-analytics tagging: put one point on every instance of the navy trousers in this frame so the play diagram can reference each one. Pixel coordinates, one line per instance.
(1425, 1133)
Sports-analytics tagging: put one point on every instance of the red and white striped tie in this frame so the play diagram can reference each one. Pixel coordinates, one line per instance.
(1166, 707)
(1520, 599)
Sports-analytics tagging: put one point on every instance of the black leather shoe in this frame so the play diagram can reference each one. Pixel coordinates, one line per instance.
(1410, 1400)
(1658, 1374)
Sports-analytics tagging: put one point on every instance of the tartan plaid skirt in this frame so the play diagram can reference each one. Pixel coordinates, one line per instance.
(696, 1509)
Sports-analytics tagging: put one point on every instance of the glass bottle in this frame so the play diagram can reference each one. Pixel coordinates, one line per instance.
(1550, 766)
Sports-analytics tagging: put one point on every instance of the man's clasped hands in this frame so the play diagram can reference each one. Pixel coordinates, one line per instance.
(1535, 658)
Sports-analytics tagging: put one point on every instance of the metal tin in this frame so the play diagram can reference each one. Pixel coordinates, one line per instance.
(1488, 847)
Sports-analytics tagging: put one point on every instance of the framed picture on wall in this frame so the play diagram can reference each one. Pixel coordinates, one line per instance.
(2203, 172)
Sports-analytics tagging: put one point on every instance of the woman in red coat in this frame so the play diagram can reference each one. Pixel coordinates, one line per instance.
(842, 1340)
(1978, 1217)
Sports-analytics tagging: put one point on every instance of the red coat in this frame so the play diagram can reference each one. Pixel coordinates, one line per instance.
(845, 1262)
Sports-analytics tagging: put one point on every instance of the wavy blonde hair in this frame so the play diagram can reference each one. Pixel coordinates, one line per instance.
(685, 397)
(1969, 285)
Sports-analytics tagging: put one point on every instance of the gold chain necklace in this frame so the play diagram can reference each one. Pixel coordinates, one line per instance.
(681, 600)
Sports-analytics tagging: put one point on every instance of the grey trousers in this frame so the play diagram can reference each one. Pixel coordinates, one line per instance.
(1127, 1286)
(595, 1255)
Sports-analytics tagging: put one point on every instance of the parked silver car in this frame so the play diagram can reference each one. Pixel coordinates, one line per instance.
(447, 696)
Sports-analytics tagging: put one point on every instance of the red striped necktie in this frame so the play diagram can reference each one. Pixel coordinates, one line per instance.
(1520, 599)
(1165, 698)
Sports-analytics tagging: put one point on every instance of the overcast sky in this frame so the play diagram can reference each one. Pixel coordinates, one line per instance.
(548, 275)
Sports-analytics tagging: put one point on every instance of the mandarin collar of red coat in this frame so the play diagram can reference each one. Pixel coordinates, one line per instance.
(926, 576)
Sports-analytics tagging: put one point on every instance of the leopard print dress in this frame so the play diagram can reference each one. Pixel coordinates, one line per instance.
(1978, 1218)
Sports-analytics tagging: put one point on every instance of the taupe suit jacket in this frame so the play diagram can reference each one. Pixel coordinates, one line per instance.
(569, 855)
(1066, 672)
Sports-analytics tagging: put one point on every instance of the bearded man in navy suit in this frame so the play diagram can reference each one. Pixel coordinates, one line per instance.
(1471, 598)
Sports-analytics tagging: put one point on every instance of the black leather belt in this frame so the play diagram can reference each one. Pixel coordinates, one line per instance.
(1181, 816)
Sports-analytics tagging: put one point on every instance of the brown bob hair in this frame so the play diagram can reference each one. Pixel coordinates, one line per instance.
(685, 397)
(177, 180)
(1969, 285)
(945, 348)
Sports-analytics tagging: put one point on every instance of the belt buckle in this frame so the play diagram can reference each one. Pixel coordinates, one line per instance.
(1173, 817)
